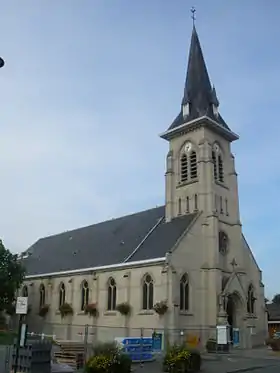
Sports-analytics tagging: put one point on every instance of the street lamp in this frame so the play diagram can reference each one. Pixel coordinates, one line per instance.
(2, 62)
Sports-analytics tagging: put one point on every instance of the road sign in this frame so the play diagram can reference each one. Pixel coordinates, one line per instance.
(22, 306)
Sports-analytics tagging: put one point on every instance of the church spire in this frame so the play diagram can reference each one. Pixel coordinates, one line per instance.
(198, 92)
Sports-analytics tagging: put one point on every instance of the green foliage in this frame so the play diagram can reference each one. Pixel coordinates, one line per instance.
(181, 359)
(276, 299)
(11, 277)
(124, 308)
(91, 310)
(7, 337)
(161, 307)
(107, 358)
(43, 311)
(66, 310)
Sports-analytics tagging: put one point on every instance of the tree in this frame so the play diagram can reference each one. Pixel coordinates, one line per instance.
(11, 277)
(276, 299)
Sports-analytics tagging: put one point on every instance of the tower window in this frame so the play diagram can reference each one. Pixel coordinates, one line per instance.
(214, 159)
(226, 205)
(221, 205)
(221, 168)
(61, 294)
(184, 168)
(179, 206)
(195, 202)
(42, 296)
(216, 202)
(251, 300)
(187, 205)
(193, 164)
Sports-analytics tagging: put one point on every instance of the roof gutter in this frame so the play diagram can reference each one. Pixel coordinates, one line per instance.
(118, 266)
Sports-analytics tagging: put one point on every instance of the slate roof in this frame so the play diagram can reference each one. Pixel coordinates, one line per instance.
(273, 311)
(110, 242)
(198, 92)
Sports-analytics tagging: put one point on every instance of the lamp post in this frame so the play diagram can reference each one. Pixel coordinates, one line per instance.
(2, 62)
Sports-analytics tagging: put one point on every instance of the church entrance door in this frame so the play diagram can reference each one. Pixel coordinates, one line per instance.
(234, 313)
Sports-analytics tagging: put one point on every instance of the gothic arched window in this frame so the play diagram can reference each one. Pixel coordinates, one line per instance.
(184, 293)
(184, 168)
(25, 291)
(195, 202)
(179, 206)
(193, 165)
(85, 295)
(62, 293)
(42, 300)
(148, 293)
(218, 164)
(112, 295)
(187, 204)
(251, 299)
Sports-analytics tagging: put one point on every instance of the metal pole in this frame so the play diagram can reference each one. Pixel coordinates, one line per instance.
(18, 343)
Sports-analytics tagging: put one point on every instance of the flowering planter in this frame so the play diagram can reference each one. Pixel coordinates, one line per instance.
(124, 308)
(66, 310)
(91, 310)
(161, 308)
(44, 310)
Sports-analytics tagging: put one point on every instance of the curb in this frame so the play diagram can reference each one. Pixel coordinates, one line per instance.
(250, 369)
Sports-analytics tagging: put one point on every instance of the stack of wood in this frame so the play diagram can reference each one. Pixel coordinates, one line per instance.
(70, 353)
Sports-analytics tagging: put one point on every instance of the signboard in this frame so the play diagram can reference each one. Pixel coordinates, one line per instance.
(157, 342)
(22, 306)
(221, 334)
(138, 349)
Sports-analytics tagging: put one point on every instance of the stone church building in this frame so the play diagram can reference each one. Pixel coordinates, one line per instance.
(190, 253)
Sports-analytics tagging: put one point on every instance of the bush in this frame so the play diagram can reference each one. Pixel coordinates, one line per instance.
(180, 359)
(107, 358)
(124, 308)
(44, 310)
(66, 310)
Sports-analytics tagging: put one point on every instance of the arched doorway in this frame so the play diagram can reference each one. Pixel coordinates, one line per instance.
(234, 311)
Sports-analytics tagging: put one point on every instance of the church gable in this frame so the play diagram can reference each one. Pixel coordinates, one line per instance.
(141, 236)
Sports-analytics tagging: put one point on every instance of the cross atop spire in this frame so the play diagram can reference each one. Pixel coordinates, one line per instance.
(193, 10)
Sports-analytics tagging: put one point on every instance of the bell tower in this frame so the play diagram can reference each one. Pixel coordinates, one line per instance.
(200, 171)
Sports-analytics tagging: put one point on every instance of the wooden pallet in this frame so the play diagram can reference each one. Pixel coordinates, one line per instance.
(70, 353)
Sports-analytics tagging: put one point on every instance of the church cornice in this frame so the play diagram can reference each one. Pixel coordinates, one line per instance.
(197, 123)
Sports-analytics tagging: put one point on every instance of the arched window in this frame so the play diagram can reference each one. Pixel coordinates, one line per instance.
(221, 168)
(85, 295)
(226, 206)
(195, 202)
(42, 301)
(25, 291)
(214, 160)
(179, 206)
(221, 205)
(61, 294)
(112, 295)
(169, 162)
(148, 293)
(187, 204)
(193, 165)
(184, 168)
(184, 293)
(251, 300)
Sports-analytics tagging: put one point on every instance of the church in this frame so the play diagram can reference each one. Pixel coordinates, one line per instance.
(182, 268)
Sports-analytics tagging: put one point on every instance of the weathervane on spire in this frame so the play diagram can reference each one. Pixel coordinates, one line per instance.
(193, 10)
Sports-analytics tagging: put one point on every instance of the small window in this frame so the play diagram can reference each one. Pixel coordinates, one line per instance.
(179, 206)
(148, 293)
(61, 294)
(193, 164)
(184, 168)
(195, 202)
(187, 204)
(85, 295)
(42, 296)
(214, 160)
(112, 295)
(221, 205)
(226, 206)
(251, 300)
(184, 293)
(221, 168)
(216, 202)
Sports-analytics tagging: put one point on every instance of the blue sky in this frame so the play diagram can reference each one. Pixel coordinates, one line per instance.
(88, 86)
